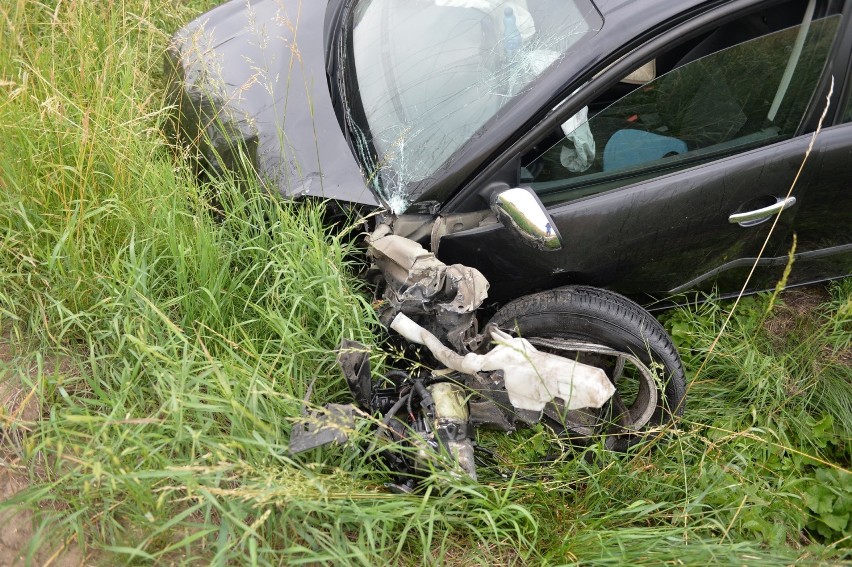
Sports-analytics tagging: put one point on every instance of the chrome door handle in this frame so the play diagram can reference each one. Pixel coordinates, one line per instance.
(750, 218)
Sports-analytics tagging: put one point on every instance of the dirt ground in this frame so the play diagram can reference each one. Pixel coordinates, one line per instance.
(19, 407)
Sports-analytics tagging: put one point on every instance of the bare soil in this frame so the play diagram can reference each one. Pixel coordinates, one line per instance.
(19, 413)
(798, 306)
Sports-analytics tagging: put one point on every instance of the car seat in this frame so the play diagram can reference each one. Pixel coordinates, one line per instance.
(630, 147)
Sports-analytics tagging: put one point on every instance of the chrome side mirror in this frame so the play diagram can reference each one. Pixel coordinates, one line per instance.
(521, 211)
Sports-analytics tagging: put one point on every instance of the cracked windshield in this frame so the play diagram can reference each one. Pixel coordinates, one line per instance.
(431, 73)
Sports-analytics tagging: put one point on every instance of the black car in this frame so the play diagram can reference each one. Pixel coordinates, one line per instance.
(658, 139)
(559, 151)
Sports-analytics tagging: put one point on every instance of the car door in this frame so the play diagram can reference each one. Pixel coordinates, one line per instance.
(653, 213)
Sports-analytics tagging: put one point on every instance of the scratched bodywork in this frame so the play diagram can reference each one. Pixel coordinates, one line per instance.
(248, 80)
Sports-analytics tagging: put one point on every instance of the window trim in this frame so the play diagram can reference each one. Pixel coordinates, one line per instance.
(843, 112)
(842, 49)
(581, 89)
(646, 172)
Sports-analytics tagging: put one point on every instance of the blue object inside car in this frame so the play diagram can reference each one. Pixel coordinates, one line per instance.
(627, 148)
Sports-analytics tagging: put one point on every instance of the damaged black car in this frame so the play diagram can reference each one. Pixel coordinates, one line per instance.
(548, 159)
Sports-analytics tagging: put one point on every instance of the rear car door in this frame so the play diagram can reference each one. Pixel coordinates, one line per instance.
(720, 132)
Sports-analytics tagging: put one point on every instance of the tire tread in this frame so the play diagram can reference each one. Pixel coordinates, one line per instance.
(614, 310)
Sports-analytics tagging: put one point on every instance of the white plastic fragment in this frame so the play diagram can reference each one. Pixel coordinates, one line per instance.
(532, 378)
(419, 275)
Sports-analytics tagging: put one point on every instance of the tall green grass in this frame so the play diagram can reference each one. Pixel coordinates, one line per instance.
(172, 353)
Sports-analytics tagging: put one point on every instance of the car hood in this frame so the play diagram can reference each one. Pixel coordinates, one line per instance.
(251, 77)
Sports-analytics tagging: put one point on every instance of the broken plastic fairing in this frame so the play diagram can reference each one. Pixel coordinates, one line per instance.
(532, 378)
(443, 298)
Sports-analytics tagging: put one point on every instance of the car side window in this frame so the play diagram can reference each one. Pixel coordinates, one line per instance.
(717, 99)
(847, 116)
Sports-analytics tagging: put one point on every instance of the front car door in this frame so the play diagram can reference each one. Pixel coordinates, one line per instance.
(721, 130)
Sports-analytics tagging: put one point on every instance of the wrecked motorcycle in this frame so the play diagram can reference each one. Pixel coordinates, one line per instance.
(587, 363)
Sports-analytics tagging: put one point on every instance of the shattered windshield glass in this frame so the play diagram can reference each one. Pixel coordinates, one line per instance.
(430, 73)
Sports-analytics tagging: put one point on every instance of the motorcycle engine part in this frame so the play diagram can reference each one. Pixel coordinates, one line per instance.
(451, 424)
(354, 360)
(486, 413)
(443, 298)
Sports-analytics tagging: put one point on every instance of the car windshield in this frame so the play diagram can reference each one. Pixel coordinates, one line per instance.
(429, 74)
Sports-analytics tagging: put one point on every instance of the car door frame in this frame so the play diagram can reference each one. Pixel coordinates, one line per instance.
(586, 88)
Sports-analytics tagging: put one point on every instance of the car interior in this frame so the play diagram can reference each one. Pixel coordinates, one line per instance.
(745, 83)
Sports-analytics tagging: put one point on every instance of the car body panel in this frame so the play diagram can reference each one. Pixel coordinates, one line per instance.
(652, 238)
(253, 75)
(660, 236)
(822, 224)
(823, 227)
